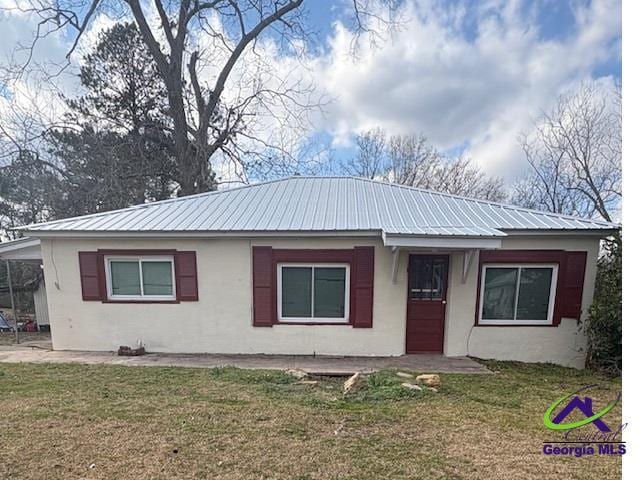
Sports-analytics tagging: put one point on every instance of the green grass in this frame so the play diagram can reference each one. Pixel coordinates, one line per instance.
(58, 421)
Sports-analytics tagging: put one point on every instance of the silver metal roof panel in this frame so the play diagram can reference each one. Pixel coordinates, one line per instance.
(323, 204)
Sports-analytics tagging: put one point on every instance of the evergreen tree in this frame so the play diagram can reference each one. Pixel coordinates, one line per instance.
(117, 151)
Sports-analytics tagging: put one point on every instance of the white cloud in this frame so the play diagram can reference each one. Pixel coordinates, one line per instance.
(477, 89)
(469, 75)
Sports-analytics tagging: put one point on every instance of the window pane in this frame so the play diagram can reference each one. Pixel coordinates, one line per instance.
(296, 292)
(157, 278)
(499, 293)
(421, 278)
(533, 298)
(329, 298)
(437, 284)
(125, 278)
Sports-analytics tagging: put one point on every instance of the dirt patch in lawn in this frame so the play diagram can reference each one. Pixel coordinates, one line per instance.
(105, 422)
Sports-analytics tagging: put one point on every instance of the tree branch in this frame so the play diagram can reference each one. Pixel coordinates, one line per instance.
(166, 25)
(214, 96)
(150, 39)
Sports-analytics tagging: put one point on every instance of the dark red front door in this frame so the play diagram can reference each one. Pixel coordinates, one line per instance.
(426, 302)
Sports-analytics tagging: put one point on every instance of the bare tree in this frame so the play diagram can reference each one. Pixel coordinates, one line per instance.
(371, 158)
(574, 153)
(412, 160)
(28, 175)
(198, 46)
(461, 176)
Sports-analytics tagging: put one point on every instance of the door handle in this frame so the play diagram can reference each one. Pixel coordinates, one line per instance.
(444, 302)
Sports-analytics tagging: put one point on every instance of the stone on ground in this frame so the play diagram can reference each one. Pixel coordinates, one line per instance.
(351, 383)
(433, 380)
(412, 386)
(296, 373)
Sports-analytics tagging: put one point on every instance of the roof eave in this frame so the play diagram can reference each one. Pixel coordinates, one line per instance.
(595, 232)
(198, 234)
(26, 248)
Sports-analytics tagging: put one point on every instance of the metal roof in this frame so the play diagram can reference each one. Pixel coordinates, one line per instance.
(322, 204)
(21, 249)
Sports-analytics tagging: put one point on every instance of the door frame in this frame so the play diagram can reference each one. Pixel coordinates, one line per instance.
(445, 296)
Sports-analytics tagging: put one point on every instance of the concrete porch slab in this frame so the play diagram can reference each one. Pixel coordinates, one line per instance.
(318, 365)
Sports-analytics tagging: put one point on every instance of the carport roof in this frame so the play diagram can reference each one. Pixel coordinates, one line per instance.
(322, 204)
(21, 249)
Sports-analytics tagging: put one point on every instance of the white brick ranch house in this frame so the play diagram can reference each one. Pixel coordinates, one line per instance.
(323, 265)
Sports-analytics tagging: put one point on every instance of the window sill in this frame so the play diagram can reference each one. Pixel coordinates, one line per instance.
(114, 300)
(343, 324)
(515, 324)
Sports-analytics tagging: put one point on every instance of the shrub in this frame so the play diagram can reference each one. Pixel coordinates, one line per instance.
(604, 324)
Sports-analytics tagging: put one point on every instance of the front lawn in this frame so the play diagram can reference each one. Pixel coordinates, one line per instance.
(108, 422)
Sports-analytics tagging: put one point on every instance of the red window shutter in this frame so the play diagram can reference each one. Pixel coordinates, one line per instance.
(573, 282)
(363, 259)
(263, 287)
(186, 276)
(91, 276)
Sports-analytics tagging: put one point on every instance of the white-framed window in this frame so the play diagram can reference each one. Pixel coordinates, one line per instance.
(517, 294)
(140, 278)
(313, 293)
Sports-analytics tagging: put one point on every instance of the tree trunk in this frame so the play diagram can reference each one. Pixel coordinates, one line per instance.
(194, 174)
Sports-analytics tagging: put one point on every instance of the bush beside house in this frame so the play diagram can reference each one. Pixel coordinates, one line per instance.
(604, 325)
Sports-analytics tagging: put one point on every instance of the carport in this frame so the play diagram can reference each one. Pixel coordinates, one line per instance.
(24, 250)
